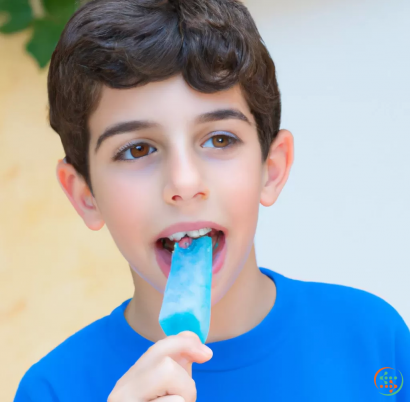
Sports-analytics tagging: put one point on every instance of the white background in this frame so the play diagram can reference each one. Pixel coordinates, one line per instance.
(343, 69)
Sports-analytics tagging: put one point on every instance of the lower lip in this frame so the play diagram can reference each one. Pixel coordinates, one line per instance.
(164, 259)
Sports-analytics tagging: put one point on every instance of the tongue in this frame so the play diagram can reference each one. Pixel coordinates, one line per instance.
(185, 242)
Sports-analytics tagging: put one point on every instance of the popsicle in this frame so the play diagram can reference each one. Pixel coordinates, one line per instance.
(186, 305)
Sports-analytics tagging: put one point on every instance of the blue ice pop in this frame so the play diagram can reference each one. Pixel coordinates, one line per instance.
(187, 299)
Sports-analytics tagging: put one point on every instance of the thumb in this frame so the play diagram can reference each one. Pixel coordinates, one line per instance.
(186, 365)
(182, 360)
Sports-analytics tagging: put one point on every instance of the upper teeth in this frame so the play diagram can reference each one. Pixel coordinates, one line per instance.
(192, 233)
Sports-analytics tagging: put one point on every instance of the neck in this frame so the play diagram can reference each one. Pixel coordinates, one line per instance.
(253, 295)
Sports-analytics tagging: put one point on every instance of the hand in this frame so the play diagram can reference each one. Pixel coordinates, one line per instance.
(164, 372)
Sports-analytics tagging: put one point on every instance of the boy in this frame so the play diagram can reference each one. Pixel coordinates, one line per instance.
(169, 114)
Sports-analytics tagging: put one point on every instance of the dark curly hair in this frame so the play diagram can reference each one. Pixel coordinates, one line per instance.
(214, 44)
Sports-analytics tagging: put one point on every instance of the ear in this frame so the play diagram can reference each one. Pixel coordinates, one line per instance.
(277, 167)
(79, 194)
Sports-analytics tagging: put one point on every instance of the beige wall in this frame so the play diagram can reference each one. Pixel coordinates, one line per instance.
(56, 275)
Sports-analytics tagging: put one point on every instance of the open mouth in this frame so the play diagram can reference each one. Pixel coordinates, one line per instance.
(164, 248)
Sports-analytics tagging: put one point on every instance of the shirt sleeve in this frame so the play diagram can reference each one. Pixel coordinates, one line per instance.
(402, 349)
(34, 387)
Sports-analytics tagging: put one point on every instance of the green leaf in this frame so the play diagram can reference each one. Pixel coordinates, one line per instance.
(20, 15)
(45, 38)
(60, 10)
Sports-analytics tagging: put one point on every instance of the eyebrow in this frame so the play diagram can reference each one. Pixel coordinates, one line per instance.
(137, 125)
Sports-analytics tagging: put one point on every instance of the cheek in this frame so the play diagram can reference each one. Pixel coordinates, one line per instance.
(240, 191)
(240, 199)
(126, 203)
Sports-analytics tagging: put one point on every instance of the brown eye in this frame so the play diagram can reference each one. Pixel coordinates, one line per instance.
(220, 141)
(133, 151)
(139, 150)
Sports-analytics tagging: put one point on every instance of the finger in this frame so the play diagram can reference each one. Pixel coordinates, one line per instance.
(184, 347)
(169, 378)
(186, 363)
(189, 334)
(170, 398)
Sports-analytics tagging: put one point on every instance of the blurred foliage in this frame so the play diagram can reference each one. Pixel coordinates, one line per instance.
(46, 30)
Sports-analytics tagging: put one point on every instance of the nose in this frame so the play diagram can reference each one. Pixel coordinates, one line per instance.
(185, 180)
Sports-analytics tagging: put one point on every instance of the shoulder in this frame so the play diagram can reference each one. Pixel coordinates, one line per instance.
(35, 386)
(344, 304)
(352, 300)
(85, 342)
(63, 362)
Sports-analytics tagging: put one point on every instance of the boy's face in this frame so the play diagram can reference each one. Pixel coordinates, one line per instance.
(178, 169)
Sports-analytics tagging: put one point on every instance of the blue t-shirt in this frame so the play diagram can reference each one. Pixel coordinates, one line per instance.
(319, 342)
